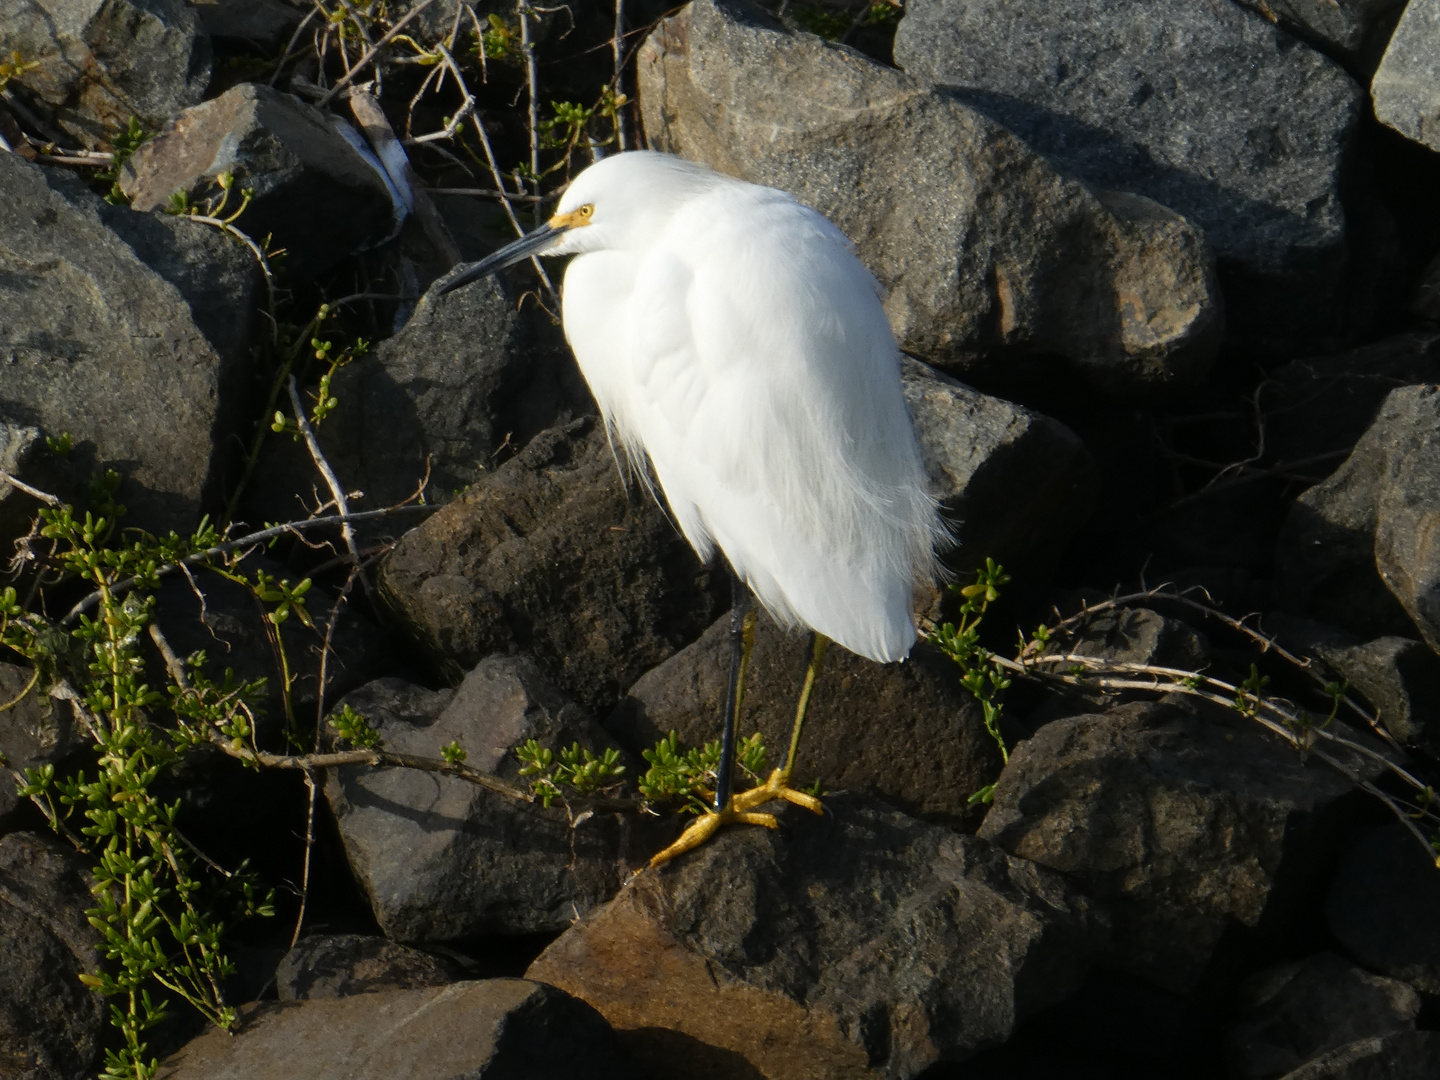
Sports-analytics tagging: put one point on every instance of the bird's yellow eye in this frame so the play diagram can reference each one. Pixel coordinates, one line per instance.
(573, 218)
(585, 211)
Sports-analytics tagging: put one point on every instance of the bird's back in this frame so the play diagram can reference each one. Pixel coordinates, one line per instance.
(745, 353)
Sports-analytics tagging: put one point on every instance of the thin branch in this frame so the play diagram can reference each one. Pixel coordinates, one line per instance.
(371, 53)
(33, 492)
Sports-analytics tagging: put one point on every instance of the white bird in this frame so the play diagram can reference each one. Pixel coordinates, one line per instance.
(737, 348)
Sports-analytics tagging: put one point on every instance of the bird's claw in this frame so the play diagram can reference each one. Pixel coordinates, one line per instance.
(740, 812)
(776, 787)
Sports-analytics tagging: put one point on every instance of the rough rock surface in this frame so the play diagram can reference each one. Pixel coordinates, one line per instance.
(34, 731)
(552, 555)
(931, 193)
(1198, 104)
(484, 1030)
(1406, 87)
(468, 374)
(1381, 904)
(103, 61)
(1181, 822)
(862, 943)
(1297, 1011)
(1348, 26)
(313, 192)
(1011, 480)
(1365, 539)
(339, 965)
(51, 1026)
(263, 23)
(905, 732)
(97, 343)
(441, 859)
(1402, 1055)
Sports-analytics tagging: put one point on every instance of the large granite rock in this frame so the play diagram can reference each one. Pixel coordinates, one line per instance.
(550, 553)
(981, 249)
(1200, 105)
(314, 194)
(1406, 87)
(484, 1030)
(105, 333)
(104, 61)
(51, 1026)
(1350, 27)
(1181, 822)
(1401, 1055)
(858, 944)
(339, 965)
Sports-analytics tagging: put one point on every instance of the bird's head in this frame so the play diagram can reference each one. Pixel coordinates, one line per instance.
(619, 202)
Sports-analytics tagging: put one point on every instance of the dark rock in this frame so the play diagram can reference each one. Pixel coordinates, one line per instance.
(1400, 678)
(861, 943)
(931, 192)
(468, 374)
(1362, 544)
(1297, 1011)
(314, 194)
(35, 730)
(1140, 636)
(1198, 104)
(550, 554)
(230, 625)
(104, 61)
(1013, 482)
(95, 342)
(1406, 87)
(51, 1026)
(339, 965)
(906, 732)
(1348, 26)
(1402, 1055)
(1382, 906)
(267, 24)
(484, 1030)
(19, 447)
(1183, 823)
(1426, 303)
(441, 859)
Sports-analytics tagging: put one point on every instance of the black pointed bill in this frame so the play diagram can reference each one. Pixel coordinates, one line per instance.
(530, 244)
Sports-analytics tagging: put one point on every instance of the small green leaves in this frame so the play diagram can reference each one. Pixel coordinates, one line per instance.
(578, 768)
(453, 753)
(353, 728)
(979, 672)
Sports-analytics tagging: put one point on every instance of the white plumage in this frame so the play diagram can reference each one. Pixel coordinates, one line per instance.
(734, 342)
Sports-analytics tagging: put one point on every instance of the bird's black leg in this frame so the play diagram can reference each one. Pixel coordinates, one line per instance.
(742, 638)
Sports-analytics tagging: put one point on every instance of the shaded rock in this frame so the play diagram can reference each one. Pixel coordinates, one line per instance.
(95, 342)
(1294, 1012)
(339, 965)
(906, 732)
(441, 859)
(1182, 823)
(861, 943)
(34, 731)
(1363, 544)
(1139, 636)
(1013, 482)
(267, 24)
(468, 1031)
(1402, 1055)
(20, 445)
(1382, 904)
(1198, 104)
(1426, 304)
(1406, 87)
(468, 374)
(1400, 677)
(314, 194)
(551, 555)
(230, 625)
(51, 1026)
(1348, 26)
(104, 61)
(932, 193)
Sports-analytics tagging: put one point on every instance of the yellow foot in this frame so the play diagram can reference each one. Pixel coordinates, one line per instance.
(700, 830)
(776, 788)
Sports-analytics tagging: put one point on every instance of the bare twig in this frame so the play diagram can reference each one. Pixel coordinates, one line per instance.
(371, 53)
(289, 52)
(33, 492)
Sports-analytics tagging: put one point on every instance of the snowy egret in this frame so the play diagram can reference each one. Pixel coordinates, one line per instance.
(737, 348)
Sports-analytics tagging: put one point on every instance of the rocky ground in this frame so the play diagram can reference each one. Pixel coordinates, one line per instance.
(1168, 277)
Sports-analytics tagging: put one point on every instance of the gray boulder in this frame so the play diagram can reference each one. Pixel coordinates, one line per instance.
(1364, 542)
(1349, 27)
(339, 965)
(552, 554)
(1406, 87)
(314, 194)
(858, 944)
(265, 24)
(484, 1030)
(934, 196)
(51, 1026)
(1294, 1012)
(905, 732)
(1203, 106)
(441, 859)
(104, 61)
(35, 731)
(1401, 1055)
(1180, 822)
(107, 337)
